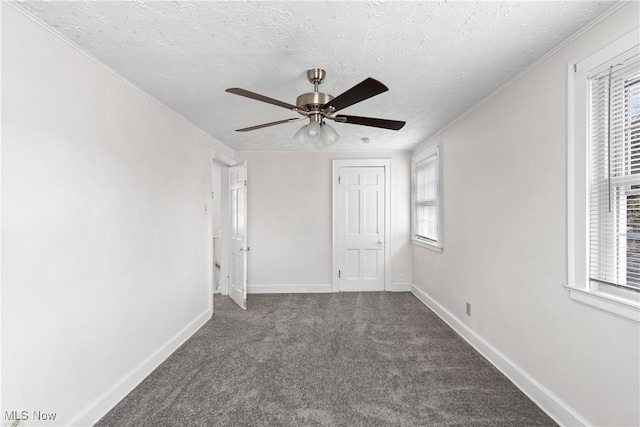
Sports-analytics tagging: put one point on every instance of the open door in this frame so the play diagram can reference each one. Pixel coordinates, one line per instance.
(238, 234)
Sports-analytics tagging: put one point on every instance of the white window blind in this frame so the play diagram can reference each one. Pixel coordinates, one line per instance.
(614, 174)
(426, 209)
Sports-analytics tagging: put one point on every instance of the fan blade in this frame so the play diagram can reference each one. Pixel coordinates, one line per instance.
(279, 122)
(370, 121)
(363, 90)
(258, 97)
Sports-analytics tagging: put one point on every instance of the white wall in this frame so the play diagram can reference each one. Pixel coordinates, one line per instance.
(505, 250)
(105, 239)
(290, 208)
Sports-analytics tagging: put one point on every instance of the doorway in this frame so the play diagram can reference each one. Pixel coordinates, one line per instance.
(216, 170)
(361, 225)
(218, 206)
(228, 229)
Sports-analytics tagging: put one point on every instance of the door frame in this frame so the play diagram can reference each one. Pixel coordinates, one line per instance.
(386, 164)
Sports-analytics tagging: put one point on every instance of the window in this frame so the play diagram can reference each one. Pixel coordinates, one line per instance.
(427, 199)
(614, 169)
(604, 179)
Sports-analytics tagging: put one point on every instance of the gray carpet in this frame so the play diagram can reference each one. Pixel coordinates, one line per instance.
(348, 359)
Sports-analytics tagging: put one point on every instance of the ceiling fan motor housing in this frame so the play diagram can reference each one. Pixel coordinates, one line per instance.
(312, 101)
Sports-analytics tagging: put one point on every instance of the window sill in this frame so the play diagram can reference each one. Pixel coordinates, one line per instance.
(621, 307)
(423, 244)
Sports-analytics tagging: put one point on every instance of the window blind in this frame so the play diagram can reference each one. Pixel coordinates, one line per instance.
(426, 198)
(614, 187)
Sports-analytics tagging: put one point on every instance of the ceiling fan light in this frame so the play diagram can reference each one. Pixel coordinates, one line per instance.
(300, 136)
(309, 134)
(317, 135)
(329, 135)
(313, 129)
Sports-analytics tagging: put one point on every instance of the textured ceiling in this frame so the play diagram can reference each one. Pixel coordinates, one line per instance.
(437, 58)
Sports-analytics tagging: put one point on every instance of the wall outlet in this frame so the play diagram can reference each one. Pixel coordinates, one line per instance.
(468, 309)
(402, 277)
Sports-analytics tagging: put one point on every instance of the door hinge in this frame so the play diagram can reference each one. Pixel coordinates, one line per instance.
(575, 68)
(339, 179)
(245, 182)
(212, 195)
(338, 274)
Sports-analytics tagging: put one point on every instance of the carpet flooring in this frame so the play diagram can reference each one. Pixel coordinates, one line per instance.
(346, 359)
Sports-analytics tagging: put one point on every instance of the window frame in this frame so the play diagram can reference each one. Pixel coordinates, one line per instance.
(624, 303)
(434, 245)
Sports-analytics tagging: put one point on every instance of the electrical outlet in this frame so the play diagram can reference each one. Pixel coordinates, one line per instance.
(468, 309)
(402, 277)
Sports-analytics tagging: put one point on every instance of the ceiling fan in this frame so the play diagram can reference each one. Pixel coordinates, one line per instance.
(318, 107)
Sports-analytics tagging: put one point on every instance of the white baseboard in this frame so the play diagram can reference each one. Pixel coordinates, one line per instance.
(400, 287)
(547, 401)
(312, 289)
(289, 289)
(103, 404)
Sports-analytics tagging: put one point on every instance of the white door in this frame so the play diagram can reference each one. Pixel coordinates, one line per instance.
(360, 227)
(238, 234)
